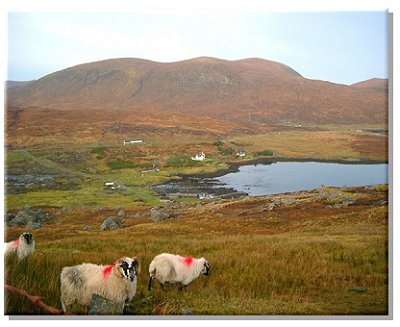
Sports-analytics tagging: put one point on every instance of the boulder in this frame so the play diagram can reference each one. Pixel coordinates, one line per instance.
(271, 206)
(103, 306)
(28, 217)
(289, 202)
(159, 214)
(32, 225)
(111, 223)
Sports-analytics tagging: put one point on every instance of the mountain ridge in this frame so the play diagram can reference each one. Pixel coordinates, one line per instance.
(240, 94)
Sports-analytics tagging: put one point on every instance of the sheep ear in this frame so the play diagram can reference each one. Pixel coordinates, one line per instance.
(118, 267)
(136, 263)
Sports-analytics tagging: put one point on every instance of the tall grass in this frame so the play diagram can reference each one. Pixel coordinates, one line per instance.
(310, 270)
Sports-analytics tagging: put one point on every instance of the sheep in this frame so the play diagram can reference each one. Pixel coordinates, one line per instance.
(171, 268)
(23, 246)
(116, 282)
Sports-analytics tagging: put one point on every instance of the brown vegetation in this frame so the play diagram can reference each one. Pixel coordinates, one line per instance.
(305, 256)
(109, 100)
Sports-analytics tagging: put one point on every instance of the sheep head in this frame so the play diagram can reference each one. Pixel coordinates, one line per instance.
(206, 267)
(127, 268)
(26, 237)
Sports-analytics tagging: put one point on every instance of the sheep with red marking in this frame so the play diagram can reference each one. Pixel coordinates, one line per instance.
(116, 282)
(23, 246)
(171, 268)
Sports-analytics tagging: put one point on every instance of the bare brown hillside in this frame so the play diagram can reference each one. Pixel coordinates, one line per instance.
(198, 94)
(373, 84)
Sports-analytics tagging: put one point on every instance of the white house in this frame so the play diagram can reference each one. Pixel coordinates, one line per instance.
(133, 142)
(199, 157)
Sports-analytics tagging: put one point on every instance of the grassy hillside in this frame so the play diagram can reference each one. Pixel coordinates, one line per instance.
(303, 257)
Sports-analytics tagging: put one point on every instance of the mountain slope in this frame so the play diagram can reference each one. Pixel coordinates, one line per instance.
(373, 84)
(205, 92)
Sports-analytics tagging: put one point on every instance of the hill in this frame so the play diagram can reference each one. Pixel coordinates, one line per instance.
(309, 255)
(201, 94)
(373, 84)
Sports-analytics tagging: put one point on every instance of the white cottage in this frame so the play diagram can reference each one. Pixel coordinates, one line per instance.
(199, 157)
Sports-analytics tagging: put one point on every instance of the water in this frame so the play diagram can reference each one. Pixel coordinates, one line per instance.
(280, 177)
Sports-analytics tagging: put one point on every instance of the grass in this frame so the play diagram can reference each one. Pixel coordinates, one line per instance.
(295, 261)
(181, 162)
(90, 196)
(306, 264)
(98, 150)
(337, 144)
(265, 153)
(120, 164)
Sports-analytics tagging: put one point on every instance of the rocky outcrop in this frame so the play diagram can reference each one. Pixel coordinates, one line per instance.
(112, 223)
(158, 214)
(27, 217)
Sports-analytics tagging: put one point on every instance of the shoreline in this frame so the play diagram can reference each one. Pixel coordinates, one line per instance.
(233, 167)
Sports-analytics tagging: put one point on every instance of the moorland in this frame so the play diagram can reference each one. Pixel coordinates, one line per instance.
(321, 252)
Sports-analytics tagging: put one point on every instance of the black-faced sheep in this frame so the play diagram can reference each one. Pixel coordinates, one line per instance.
(171, 268)
(23, 246)
(116, 282)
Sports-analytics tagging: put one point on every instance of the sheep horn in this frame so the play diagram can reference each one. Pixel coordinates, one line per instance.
(136, 263)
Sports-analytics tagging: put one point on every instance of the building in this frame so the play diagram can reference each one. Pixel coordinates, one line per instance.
(132, 142)
(199, 157)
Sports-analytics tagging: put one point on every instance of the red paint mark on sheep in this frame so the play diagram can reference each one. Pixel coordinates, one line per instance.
(14, 244)
(187, 261)
(107, 270)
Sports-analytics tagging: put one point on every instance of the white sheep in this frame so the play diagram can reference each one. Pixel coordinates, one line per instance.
(23, 246)
(171, 268)
(116, 282)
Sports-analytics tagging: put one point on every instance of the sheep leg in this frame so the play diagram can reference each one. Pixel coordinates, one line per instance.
(150, 282)
(182, 287)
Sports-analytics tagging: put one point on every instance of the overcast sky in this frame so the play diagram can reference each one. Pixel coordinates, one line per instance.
(341, 47)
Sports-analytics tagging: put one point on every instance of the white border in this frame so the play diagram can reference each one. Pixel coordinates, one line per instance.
(281, 5)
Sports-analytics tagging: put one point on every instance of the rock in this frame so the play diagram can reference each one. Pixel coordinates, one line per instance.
(277, 203)
(26, 216)
(32, 225)
(8, 217)
(159, 214)
(86, 228)
(380, 202)
(347, 203)
(102, 306)
(271, 206)
(59, 212)
(121, 213)
(288, 202)
(111, 223)
(243, 212)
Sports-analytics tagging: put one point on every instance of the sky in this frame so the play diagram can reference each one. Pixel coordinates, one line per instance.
(340, 47)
